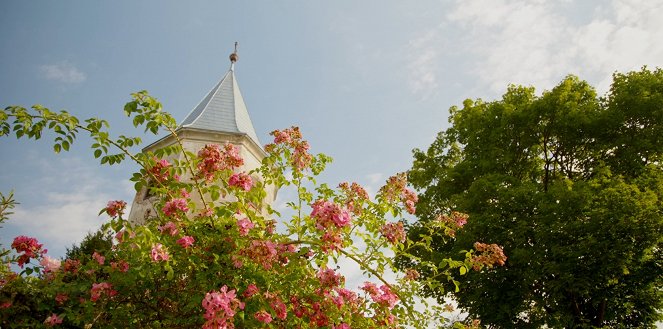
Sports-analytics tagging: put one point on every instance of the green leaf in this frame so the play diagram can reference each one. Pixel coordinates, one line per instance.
(57, 148)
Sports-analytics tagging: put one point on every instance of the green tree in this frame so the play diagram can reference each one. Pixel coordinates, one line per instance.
(570, 184)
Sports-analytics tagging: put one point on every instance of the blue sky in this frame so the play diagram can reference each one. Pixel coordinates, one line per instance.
(366, 81)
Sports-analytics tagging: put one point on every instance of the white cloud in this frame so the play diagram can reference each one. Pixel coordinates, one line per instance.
(63, 72)
(539, 42)
(422, 67)
(61, 205)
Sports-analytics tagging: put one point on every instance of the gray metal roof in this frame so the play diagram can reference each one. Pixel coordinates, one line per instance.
(223, 109)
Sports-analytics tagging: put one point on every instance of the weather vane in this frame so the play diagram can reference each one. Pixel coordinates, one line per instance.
(234, 57)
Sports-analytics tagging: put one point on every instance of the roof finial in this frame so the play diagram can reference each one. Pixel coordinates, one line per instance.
(234, 57)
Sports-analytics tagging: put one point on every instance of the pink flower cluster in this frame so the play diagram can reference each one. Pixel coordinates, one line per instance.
(490, 255)
(355, 195)
(292, 138)
(330, 218)
(382, 295)
(169, 228)
(50, 264)
(61, 298)
(329, 278)
(53, 320)
(453, 222)
(262, 252)
(115, 208)
(212, 160)
(161, 170)
(244, 225)
(121, 266)
(186, 241)
(171, 207)
(396, 190)
(220, 307)
(241, 180)
(251, 290)
(29, 247)
(99, 258)
(328, 214)
(393, 232)
(159, 253)
(71, 266)
(100, 289)
(279, 307)
(316, 312)
(263, 316)
(412, 274)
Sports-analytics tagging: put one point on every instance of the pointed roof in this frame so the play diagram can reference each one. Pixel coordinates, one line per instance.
(223, 109)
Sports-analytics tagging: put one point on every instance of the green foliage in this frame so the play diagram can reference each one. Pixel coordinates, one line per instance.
(212, 239)
(99, 241)
(571, 186)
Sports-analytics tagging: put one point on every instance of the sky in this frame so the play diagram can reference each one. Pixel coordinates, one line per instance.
(366, 81)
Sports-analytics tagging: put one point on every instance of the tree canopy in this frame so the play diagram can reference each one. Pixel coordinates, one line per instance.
(570, 185)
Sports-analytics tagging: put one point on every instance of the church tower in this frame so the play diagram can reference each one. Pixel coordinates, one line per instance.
(220, 117)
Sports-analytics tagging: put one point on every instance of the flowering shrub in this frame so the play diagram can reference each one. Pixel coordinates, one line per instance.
(220, 263)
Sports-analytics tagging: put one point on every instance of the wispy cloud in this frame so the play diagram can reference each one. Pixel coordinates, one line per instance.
(59, 210)
(423, 68)
(64, 72)
(539, 42)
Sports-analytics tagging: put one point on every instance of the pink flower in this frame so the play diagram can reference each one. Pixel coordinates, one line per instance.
(220, 307)
(244, 226)
(71, 265)
(411, 274)
(186, 241)
(396, 190)
(329, 214)
(279, 307)
(161, 171)
(159, 253)
(347, 296)
(171, 207)
(53, 320)
(99, 289)
(121, 266)
(488, 255)
(213, 159)
(261, 252)
(342, 326)
(328, 278)
(169, 228)
(332, 241)
(263, 316)
(355, 196)
(383, 295)
(99, 258)
(292, 139)
(241, 180)
(61, 298)
(115, 208)
(393, 232)
(50, 264)
(122, 235)
(370, 288)
(30, 248)
(388, 298)
(251, 290)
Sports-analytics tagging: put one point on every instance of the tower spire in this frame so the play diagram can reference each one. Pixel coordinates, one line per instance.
(234, 57)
